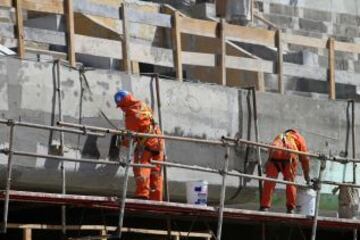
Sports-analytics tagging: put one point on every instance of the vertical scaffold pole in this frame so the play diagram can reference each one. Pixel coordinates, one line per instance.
(223, 193)
(125, 186)
(355, 232)
(318, 190)
(8, 175)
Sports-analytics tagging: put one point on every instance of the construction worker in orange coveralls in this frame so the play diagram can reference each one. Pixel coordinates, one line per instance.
(286, 163)
(139, 118)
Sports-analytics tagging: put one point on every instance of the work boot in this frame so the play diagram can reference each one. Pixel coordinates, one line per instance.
(290, 211)
(264, 209)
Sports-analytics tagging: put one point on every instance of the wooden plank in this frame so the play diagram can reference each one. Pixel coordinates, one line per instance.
(27, 234)
(151, 55)
(20, 28)
(199, 59)
(177, 47)
(222, 55)
(279, 64)
(220, 7)
(198, 27)
(331, 74)
(70, 32)
(347, 47)
(48, 6)
(126, 40)
(304, 71)
(249, 64)
(58, 55)
(250, 35)
(304, 41)
(88, 7)
(98, 47)
(45, 36)
(6, 3)
(154, 19)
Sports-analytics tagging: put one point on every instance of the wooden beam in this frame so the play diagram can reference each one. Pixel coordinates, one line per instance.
(45, 36)
(98, 47)
(27, 234)
(177, 47)
(20, 28)
(154, 19)
(279, 65)
(331, 70)
(70, 32)
(126, 66)
(249, 64)
(347, 47)
(49, 6)
(250, 35)
(222, 54)
(198, 27)
(151, 55)
(5, 3)
(96, 9)
(304, 41)
(199, 59)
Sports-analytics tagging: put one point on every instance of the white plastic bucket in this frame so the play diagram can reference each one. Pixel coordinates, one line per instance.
(197, 192)
(306, 201)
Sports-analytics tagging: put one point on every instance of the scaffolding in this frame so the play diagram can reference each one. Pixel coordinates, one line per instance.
(123, 202)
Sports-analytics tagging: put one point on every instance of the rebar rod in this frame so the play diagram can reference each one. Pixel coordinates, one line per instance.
(125, 186)
(84, 160)
(8, 178)
(223, 194)
(318, 195)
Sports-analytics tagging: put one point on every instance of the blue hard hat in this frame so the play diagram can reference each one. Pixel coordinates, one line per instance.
(120, 95)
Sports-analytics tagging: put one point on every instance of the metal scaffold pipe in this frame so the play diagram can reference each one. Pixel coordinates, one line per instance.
(230, 141)
(54, 128)
(67, 159)
(214, 171)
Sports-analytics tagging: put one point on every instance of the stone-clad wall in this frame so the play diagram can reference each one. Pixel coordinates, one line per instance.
(319, 21)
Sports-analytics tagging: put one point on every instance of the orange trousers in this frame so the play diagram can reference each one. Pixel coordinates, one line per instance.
(288, 169)
(149, 181)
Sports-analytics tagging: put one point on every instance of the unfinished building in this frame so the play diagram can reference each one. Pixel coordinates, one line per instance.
(222, 86)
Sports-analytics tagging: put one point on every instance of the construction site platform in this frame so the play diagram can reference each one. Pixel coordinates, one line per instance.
(172, 209)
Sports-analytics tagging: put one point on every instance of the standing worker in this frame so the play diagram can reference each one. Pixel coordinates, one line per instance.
(139, 118)
(286, 163)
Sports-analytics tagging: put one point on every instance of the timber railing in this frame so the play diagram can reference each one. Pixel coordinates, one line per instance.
(118, 32)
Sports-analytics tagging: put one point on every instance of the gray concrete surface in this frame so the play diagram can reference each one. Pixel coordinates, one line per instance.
(189, 109)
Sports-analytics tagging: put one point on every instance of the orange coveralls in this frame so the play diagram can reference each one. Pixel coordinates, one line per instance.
(286, 163)
(138, 118)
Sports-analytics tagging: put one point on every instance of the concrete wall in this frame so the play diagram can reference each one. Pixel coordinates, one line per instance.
(189, 109)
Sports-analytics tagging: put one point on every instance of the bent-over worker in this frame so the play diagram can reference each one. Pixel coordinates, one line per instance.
(139, 118)
(286, 163)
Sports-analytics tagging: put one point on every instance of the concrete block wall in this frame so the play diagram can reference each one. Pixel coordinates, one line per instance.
(320, 20)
